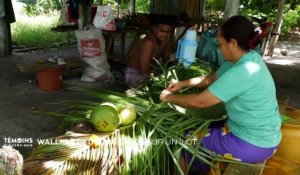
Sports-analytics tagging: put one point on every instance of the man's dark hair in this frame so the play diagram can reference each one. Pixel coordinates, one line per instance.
(156, 19)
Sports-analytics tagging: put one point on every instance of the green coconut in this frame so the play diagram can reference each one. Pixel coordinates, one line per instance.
(105, 118)
(127, 115)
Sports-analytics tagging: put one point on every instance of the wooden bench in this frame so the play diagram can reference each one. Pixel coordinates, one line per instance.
(65, 28)
(238, 169)
(109, 36)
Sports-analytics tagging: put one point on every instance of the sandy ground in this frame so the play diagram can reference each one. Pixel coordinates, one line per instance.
(19, 91)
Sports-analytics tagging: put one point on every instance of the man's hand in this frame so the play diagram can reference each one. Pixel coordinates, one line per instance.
(164, 95)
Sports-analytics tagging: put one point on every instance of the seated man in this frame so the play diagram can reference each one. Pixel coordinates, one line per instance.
(156, 44)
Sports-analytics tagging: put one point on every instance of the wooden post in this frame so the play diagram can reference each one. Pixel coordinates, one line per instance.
(276, 29)
(4, 41)
(81, 17)
(6, 17)
(84, 15)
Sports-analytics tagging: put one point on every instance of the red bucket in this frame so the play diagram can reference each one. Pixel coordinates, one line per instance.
(50, 79)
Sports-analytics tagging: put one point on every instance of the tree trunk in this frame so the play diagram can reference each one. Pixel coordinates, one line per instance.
(63, 18)
(276, 28)
(231, 8)
(132, 6)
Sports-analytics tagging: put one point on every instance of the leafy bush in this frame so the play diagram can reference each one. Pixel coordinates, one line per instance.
(215, 5)
(291, 19)
(142, 6)
(267, 10)
(43, 7)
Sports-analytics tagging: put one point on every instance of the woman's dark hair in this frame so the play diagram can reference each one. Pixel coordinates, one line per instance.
(241, 29)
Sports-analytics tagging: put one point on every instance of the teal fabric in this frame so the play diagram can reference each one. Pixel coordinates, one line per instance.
(248, 91)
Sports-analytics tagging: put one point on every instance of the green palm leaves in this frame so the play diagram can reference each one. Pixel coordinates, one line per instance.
(151, 145)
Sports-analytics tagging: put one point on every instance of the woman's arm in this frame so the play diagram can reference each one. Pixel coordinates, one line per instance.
(202, 82)
(202, 100)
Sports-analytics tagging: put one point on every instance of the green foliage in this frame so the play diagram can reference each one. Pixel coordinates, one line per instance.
(261, 9)
(151, 145)
(164, 74)
(110, 2)
(142, 6)
(260, 6)
(43, 7)
(291, 19)
(217, 5)
(266, 11)
(213, 10)
(124, 5)
(29, 31)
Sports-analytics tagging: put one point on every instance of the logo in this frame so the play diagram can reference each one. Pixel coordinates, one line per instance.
(18, 142)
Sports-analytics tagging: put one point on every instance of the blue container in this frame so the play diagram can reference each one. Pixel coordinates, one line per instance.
(186, 51)
(187, 47)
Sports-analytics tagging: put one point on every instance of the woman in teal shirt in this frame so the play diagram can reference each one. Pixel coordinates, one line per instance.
(244, 84)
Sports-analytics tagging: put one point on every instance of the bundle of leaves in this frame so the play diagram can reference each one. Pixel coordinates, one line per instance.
(164, 74)
(155, 139)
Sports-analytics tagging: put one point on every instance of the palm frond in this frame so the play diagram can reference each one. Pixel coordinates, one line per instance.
(150, 145)
(76, 154)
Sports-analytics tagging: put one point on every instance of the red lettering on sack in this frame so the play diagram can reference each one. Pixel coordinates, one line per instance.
(93, 43)
(104, 14)
(90, 48)
(88, 53)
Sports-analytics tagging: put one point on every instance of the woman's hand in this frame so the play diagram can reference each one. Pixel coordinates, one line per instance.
(164, 95)
(174, 86)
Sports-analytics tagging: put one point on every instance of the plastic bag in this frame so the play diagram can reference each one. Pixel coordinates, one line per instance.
(104, 18)
(208, 49)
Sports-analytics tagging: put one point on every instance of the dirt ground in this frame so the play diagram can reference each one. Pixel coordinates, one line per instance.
(286, 70)
(19, 92)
